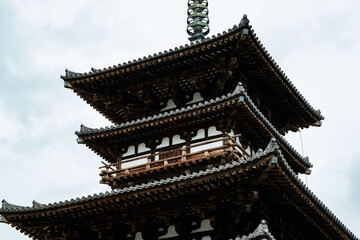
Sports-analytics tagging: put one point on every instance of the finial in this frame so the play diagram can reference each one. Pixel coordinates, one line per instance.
(198, 20)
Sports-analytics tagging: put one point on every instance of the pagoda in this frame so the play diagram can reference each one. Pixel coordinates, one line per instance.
(196, 149)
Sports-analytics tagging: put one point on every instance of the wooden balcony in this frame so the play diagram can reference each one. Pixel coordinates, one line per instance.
(186, 157)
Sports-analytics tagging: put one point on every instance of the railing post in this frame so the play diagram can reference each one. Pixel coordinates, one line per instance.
(148, 162)
(183, 153)
(229, 149)
(228, 142)
(118, 163)
(207, 155)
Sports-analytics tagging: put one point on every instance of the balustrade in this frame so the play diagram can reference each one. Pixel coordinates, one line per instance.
(225, 146)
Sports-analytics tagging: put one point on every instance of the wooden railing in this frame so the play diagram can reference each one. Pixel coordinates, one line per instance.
(228, 148)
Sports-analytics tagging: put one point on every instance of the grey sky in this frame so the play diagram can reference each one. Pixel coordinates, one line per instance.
(316, 43)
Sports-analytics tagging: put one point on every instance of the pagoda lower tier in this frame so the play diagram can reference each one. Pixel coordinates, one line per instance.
(224, 202)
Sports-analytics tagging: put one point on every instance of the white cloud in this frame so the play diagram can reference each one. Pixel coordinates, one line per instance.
(315, 42)
(11, 126)
(48, 13)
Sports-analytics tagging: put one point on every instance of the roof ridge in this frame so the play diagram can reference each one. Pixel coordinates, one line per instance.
(69, 75)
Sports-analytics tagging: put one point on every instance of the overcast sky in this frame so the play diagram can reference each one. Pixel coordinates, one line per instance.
(316, 43)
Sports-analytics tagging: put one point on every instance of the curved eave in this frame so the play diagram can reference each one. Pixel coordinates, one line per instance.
(177, 59)
(315, 210)
(288, 185)
(302, 162)
(173, 60)
(284, 82)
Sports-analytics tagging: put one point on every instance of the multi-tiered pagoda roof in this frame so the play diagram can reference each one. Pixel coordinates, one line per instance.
(224, 90)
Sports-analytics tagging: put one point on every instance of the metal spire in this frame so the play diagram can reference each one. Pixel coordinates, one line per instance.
(198, 20)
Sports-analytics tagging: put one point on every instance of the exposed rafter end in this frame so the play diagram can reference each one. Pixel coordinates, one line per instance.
(241, 99)
(317, 124)
(244, 34)
(67, 84)
(274, 161)
(3, 220)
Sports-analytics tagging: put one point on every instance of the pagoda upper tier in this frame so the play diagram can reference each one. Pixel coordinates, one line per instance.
(234, 112)
(211, 68)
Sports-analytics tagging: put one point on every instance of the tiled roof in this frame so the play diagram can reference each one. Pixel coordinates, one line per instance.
(284, 78)
(281, 139)
(241, 30)
(87, 131)
(272, 148)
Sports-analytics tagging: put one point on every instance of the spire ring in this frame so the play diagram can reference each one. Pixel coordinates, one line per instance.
(198, 19)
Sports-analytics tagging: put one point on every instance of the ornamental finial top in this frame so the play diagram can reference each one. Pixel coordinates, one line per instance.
(198, 20)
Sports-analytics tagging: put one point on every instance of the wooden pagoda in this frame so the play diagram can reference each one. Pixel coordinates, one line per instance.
(196, 151)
